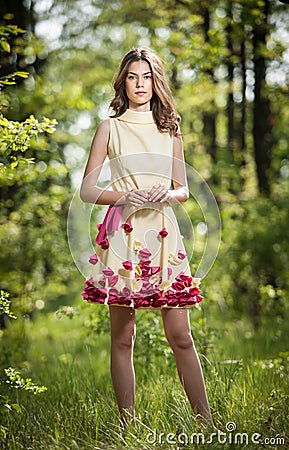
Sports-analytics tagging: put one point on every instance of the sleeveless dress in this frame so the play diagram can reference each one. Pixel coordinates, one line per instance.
(140, 260)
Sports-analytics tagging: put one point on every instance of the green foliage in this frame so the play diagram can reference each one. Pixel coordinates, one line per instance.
(5, 305)
(6, 32)
(11, 78)
(16, 381)
(67, 311)
(16, 137)
(34, 194)
(13, 376)
(252, 267)
(151, 348)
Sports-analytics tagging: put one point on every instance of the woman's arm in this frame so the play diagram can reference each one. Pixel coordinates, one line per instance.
(89, 191)
(180, 193)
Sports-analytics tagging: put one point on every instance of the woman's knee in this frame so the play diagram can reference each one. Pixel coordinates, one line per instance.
(180, 340)
(124, 339)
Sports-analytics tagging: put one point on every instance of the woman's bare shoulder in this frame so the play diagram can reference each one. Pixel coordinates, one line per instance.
(104, 126)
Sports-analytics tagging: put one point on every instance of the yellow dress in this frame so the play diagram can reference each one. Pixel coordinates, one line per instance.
(140, 261)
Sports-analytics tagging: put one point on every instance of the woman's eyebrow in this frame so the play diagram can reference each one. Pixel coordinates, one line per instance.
(145, 73)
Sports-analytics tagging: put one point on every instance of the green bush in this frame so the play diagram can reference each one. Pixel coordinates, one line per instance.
(251, 272)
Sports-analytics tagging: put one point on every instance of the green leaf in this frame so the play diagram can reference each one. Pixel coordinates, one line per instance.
(16, 407)
(14, 164)
(22, 74)
(5, 304)
(5, 45)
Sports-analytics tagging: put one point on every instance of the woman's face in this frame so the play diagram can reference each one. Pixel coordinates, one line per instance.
(139, 85)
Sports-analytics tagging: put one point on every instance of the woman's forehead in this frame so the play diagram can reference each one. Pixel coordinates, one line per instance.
(139, 67)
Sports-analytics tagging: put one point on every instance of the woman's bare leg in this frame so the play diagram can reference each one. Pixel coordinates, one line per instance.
(122, 323)
(178, 333)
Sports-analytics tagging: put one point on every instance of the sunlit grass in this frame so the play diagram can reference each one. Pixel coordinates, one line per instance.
(79, 411)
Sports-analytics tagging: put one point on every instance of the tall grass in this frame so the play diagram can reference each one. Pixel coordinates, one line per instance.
(78, 411)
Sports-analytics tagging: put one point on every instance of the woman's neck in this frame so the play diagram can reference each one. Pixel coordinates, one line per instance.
(139, 108)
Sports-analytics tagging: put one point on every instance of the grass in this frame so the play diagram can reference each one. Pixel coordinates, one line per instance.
(78, 411)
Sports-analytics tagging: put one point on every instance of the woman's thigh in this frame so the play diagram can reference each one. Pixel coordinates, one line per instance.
(122, 323)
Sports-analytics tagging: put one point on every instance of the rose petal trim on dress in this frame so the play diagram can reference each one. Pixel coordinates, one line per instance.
(104, 244)
(127, 265)
(127, 226)
(163, 233)
(93, 259)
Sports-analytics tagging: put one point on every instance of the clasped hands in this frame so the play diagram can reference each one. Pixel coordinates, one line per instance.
(158, 193)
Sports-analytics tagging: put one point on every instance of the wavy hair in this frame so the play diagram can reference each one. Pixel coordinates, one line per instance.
(162, 103)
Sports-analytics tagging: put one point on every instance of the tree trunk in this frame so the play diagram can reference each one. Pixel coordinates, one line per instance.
(230, 68)
(243, 105)
(262, 116)
(23, 17)
(209, 117)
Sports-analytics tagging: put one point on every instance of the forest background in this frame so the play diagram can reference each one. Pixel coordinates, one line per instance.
(228, 67)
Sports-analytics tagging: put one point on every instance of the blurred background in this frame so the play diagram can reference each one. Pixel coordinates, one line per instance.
(228, 66)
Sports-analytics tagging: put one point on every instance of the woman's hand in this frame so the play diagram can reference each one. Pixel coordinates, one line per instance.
(137, 197)
(160, 193)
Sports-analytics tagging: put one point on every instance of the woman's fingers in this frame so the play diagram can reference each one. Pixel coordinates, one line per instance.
(158, 193)
(167, 197)
(137, 197)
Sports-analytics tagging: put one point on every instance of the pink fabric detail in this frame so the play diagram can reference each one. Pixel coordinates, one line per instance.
(110, 222)
(144, 253)
(122, 297)
(186, 279)
(177, 286)
(155, 270)
(93, 259)
(112, 280)
(107, 272)
(181, 255)
(163, 233)
(104, 244)
(93, 294)
(181, 294)
(127, 226)
(148, 297)
(127, 265)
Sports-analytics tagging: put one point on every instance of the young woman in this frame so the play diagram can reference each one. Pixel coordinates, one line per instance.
(140, 261)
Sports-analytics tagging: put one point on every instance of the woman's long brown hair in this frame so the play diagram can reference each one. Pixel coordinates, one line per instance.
(162, 103)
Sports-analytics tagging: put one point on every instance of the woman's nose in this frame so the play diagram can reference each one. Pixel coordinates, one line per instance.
(139, 83)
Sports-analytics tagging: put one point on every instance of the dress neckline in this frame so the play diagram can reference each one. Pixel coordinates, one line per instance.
(143, 117)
